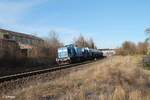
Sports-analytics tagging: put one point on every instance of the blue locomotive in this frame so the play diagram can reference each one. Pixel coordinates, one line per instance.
(71, 54)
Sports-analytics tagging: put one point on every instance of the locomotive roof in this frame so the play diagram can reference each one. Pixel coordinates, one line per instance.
(21, 34)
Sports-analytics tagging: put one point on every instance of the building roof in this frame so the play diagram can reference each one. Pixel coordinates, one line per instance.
(20, 34)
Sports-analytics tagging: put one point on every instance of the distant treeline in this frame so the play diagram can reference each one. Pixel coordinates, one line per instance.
(130, 48)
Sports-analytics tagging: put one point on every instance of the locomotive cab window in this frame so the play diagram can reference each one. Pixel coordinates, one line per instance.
(69, 51)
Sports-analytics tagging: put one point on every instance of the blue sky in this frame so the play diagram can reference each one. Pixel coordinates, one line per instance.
(108, 22)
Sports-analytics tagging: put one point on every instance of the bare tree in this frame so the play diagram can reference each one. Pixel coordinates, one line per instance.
(147, 31)
(52, 44)
(142, 48)
(91, 43)
(147, 40)
(129, 47)
(81, 41)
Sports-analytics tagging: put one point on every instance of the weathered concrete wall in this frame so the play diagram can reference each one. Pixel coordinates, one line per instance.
(8, 49)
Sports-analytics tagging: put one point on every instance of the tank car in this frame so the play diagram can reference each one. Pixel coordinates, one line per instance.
(95, 53)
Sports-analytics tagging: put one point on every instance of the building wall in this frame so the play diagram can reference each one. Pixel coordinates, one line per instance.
(21, 46)
(8, 49)
(2, 34)
(22, 38)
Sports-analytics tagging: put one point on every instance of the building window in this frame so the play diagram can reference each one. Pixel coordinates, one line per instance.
(6, 36)
(29, 41)
(13, 38)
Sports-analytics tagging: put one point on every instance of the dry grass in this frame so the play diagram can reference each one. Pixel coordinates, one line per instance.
(118, 78)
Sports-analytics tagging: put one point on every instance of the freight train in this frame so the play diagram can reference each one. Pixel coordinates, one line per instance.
(71, 53)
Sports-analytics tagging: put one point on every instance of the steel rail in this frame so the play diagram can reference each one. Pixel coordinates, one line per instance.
(31, 73)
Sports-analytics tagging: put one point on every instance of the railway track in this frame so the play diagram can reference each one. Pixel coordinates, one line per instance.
(27, 74)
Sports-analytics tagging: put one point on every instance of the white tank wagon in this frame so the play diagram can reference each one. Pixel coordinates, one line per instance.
(108, 52)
